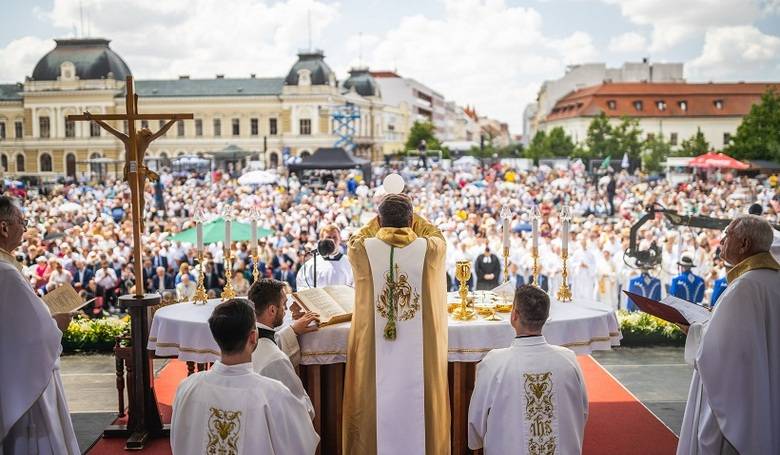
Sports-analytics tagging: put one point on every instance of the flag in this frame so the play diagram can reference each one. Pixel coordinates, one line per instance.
(624, 164)
(605, 163)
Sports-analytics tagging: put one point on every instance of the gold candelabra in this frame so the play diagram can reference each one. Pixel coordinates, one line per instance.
(255, 270)
(200, 297)
(564, 292)
(463, 274)
(506, 264)
(535, 267)
(228, 292)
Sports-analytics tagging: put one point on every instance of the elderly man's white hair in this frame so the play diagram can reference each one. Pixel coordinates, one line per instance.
(754, 228)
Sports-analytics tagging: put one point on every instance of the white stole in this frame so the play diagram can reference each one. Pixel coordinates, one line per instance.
(400, 390)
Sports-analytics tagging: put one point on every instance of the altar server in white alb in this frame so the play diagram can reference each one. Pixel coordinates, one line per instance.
(529, 398)
(270, 300)
(232, 409)
(332, 265)
(734, 400)
(34, 415)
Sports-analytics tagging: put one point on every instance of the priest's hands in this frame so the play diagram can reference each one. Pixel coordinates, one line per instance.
(302, 324)
(62, 320)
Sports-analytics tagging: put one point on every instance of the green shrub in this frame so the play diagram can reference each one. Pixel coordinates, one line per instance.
(640, 328)
(84, 334)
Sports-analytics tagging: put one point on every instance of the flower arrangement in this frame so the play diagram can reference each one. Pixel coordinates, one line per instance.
(95, 335)
(640, 328)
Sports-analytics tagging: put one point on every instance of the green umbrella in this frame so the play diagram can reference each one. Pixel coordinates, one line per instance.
(214, 231)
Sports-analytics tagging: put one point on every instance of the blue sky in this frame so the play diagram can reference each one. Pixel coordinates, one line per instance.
(493, 54)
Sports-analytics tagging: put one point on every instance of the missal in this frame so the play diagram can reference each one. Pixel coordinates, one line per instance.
(672, 309)
(333, 304)
(63, 299)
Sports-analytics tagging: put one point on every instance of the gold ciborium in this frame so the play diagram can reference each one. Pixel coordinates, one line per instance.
(463, 274)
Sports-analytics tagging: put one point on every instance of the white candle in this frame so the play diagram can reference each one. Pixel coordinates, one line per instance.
(535, 232)
(199, 235)
(253, 245)
(506, 232)
(565, 236)
(227, 234)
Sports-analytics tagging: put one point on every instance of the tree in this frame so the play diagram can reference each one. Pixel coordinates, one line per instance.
(600, 142)
(544, 145)
(422, 131)
(693, 146)
(627, 138)
(758, 136)
(655, 149)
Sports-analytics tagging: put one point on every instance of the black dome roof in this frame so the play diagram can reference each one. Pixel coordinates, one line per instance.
(92, 58)
(363, 82)
(314, 61)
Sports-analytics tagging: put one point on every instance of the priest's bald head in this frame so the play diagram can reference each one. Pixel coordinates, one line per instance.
(395, 210)
(530, 310)
(12, 224)
(746, 236)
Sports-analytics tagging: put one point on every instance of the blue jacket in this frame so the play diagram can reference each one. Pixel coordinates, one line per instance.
(646, 286)
(688, 286)
(717, 290)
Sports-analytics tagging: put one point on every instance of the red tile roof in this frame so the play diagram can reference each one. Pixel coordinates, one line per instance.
(661, 100)
(384, 74)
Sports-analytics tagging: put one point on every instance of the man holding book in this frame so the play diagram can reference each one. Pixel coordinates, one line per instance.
(395, 392)
(734, 400)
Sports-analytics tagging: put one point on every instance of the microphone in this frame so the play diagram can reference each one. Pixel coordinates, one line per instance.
(326, 247)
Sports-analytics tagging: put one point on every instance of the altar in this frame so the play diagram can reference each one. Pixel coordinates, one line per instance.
(182, 331)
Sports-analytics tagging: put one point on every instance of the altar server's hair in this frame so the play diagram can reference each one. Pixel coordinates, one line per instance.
(231, 323)
(395, 210)
(264, 293)
(532, 305)
(755, 229)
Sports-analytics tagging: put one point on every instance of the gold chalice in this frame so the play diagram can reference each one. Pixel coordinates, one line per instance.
(463, 274)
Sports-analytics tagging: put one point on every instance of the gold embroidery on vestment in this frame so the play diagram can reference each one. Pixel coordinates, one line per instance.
(539, 413)
(223, 432)
(398, 301)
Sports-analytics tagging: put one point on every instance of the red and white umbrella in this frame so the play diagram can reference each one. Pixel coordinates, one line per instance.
(714, 160)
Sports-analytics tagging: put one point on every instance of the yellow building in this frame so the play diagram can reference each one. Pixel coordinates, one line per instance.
(267, 118)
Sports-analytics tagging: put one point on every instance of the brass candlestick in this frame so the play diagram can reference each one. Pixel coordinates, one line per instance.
(564, 292)
(228, 292)
(535, 267)
(255, 270)
(200, 297)
(463, 274)
(506, 264)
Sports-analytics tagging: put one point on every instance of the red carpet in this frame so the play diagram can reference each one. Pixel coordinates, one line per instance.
(618, 423)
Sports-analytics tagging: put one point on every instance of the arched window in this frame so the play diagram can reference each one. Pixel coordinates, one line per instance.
(95, 168)
(44, 164)
(4, 163)
(164, 160)
(20, 163)
(273, 159)
(305, 153)
(70, 165)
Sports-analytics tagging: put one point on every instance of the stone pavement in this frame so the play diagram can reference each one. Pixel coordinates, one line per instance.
(657, 376)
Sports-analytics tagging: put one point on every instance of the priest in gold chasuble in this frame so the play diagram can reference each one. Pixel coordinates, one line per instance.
(395, 395)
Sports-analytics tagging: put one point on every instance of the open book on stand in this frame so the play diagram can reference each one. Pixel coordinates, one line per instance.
(64, 299)
(672, 309)
(334, 304)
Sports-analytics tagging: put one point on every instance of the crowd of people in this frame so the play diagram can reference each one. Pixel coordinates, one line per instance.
(83, 234)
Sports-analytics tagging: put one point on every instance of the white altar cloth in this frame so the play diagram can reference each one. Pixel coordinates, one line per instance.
(182, 331)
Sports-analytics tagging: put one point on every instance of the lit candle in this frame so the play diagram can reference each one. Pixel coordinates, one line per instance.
(227, 233)
(535, 227)
(253, 245)
(199, 235)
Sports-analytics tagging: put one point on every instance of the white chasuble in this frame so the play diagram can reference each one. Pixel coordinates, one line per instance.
(398, 334)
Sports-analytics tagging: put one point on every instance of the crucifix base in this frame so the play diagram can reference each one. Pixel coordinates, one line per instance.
(143, 419)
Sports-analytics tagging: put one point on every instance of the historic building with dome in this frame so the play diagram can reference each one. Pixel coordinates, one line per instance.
(236, 119)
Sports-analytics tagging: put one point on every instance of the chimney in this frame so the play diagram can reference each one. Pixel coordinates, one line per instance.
(184, 76)
(220, 76)
(252, 75)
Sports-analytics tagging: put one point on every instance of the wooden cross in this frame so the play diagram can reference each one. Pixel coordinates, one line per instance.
(135, 170)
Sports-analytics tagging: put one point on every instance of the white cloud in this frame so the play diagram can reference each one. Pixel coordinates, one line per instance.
(628, 43)
(731, 52)
(20, 56)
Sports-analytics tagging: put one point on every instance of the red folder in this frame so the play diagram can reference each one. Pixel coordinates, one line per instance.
(658, 309)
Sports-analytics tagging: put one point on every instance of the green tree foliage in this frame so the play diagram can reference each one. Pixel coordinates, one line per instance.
(422, 131)
(556, 143)
(758, 136)
(605, 140)
(693, 146)
(655, 150)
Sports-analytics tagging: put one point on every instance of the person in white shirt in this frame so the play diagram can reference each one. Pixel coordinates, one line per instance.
(734, 399)
(105, 276)
(232, 409)
(270, 299)
(332, 269)
(529, 397)
(185, 290)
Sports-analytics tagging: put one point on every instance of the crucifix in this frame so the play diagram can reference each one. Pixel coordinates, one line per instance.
(143, 414)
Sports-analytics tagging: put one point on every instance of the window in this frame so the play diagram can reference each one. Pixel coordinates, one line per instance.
(124, 126)
(612, 104)
(4, 163)
(19, 127)
(272, 127)
(2, 130)
(217, 127)
(144, 124)
(718, 104)
(661, 105)
(305, 127)
(160, 125)
(45, 162)
(44, 125)
(236, 127)
(180, 129)
(198, 127)
(20, 163)
(726, 138)
(683, 105)
(650, 136)
(253, 127)
(638, 105)
(673, 139)
(70, 128)
(94, 129)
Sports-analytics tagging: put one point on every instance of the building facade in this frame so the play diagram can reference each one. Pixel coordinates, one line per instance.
(675, 110)
(270, 119)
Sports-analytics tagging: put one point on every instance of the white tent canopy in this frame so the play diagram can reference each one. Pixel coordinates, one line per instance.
(258, 178)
